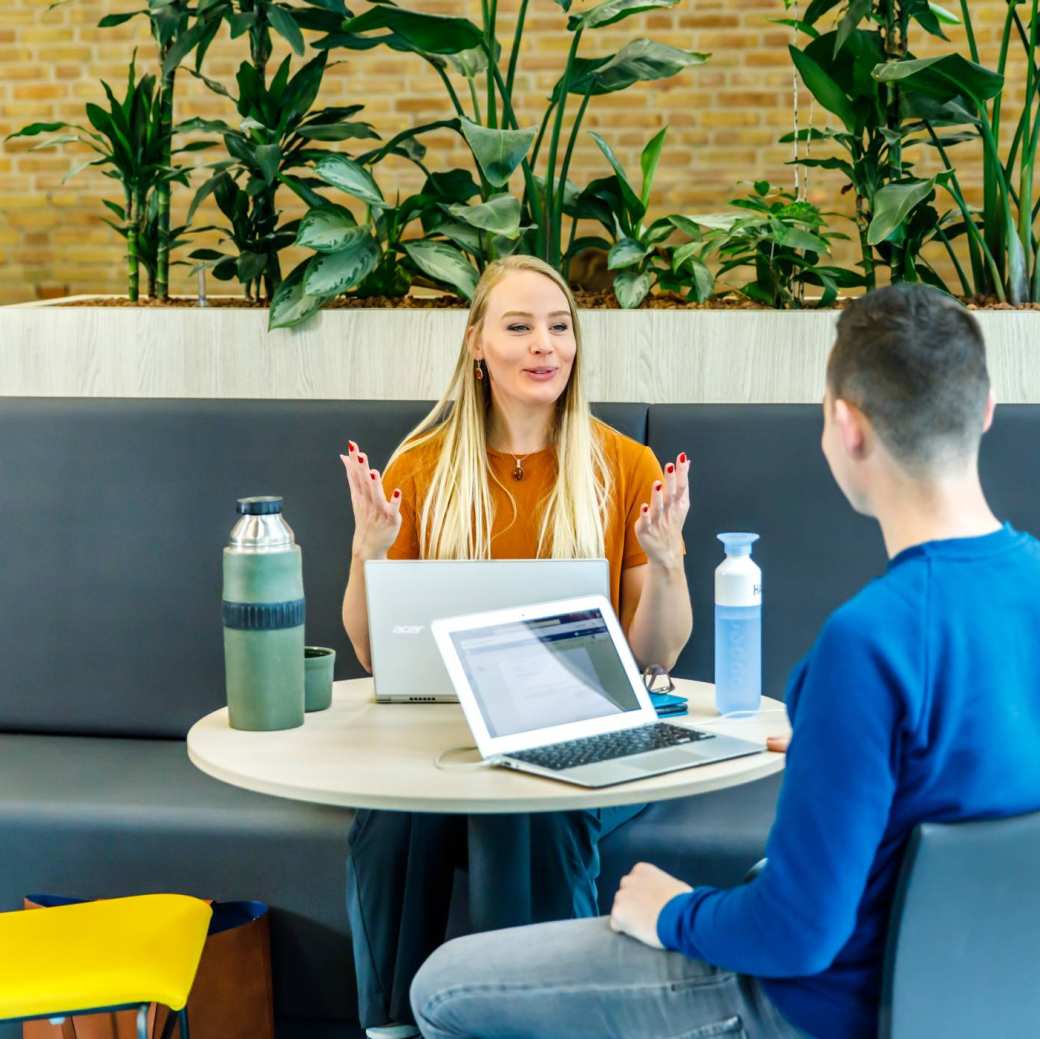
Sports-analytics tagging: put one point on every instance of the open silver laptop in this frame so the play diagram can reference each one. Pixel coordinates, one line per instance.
(553, 689)
(404, 596)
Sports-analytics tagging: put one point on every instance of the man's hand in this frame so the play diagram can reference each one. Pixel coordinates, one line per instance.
(643, 894)
(778, 744)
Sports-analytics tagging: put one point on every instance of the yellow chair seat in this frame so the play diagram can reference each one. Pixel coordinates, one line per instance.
(142, 949)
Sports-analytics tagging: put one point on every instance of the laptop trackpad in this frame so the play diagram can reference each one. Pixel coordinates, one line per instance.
(662, 760)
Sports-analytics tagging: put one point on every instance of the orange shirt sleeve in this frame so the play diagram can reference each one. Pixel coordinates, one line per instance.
(401, 475)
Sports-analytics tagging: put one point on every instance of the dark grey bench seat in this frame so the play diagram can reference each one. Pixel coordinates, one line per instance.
(106, 816)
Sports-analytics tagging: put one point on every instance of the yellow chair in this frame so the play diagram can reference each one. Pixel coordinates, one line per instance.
(94, 957)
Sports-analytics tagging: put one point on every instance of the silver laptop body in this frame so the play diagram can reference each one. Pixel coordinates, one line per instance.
(404, 596)
(554, 690)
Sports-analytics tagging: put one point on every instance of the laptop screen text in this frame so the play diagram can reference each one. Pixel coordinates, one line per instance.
(529, 675)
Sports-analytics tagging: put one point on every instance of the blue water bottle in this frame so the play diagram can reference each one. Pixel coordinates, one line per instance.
(738, 627)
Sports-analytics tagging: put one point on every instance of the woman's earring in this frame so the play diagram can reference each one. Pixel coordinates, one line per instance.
(479, 372)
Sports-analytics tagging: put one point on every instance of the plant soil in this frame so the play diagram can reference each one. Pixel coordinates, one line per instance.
(602, 300)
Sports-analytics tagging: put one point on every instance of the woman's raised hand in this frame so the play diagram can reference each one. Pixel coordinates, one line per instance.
(660, 523)
(377, 519)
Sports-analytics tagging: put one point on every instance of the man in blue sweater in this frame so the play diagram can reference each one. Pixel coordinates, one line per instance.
(919, 701)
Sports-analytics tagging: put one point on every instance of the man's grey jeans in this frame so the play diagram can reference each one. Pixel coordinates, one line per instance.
(577, 979)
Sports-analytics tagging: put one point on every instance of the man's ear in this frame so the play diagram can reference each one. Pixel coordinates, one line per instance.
(991, 407)
(853, 428)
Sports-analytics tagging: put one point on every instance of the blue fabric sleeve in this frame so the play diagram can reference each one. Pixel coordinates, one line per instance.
(795, 917)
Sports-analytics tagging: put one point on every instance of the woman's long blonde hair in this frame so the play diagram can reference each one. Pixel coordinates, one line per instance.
(457, 514)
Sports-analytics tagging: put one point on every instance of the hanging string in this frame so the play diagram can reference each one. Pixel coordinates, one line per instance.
(794, 110)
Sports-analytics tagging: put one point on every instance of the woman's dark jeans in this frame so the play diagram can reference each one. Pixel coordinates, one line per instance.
(523, 869)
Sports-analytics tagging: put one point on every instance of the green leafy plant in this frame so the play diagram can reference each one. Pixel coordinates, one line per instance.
(783, 239)
(168, 21)
(458, 47)
(260, 21)
(373, 257)
(132, 148)
(951, 89)
(278, 134)
(877, 125)
(639, 252)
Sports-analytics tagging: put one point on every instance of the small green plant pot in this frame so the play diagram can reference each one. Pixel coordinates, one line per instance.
(318, 664)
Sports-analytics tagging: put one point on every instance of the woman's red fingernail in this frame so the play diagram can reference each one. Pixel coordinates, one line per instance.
(351, 447)
(646, 508)
(658, 485)
(670, 469)
(682, 458)
(372, 474)
(361, 459)
(397, 494)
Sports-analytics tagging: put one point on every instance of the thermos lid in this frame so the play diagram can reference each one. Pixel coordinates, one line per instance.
(264, 505)
(261, 527)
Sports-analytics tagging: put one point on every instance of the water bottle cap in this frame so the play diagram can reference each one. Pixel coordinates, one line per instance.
(264, 505)
(738, 544)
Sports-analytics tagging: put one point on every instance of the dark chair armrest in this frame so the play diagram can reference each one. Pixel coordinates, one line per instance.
(754, 871)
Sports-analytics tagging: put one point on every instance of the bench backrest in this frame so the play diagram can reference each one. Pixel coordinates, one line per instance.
(113, 515)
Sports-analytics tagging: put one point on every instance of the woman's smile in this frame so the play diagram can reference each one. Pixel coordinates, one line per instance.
(541, 374)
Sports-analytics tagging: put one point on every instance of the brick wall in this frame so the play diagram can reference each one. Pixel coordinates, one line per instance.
(724, 117)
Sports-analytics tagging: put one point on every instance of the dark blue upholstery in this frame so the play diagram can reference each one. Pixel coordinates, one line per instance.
(962, 949)
(112, 517)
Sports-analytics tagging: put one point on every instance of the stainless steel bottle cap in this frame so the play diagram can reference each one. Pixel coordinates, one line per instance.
(261, 526)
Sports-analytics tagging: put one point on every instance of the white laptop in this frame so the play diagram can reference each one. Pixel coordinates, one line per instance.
(404, 596)
(553, 689)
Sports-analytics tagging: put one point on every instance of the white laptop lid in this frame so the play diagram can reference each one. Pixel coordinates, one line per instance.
(404, 596)
(543, 674)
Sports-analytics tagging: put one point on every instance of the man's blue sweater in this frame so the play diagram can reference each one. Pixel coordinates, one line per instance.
(919, 701)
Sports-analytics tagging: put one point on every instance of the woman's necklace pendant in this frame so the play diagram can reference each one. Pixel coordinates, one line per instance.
(518, 469)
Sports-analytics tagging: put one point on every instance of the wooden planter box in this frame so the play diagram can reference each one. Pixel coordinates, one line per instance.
(657, 356)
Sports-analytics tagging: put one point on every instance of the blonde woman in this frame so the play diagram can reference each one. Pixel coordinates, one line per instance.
(509, 463)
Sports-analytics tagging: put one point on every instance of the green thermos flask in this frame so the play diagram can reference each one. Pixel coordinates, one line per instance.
(263, 619)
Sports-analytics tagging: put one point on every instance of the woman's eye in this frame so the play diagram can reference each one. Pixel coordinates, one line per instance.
(517, 328)
(562, 327)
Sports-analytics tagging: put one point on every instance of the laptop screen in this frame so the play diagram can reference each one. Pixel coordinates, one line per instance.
(534, 674)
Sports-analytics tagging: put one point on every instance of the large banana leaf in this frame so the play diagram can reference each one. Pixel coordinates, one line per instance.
(498, 152)
(824, 88)
(943, 78)
(633, 203)
(638, 61)
(431, 33)
(892, 204)
(499, 215)
(610, 11)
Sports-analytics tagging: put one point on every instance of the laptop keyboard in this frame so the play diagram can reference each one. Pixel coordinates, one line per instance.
(590, 749)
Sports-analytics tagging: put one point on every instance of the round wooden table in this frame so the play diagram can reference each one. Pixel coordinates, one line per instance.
(421, 758)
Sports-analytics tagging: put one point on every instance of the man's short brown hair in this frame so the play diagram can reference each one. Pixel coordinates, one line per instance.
(913, 360)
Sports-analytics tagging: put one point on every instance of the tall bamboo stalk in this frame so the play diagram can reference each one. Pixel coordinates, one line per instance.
(162, 264)
(259, 40)
(132, 264)
(895, 43)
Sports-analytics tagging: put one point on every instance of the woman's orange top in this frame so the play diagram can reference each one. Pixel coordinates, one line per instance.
(634, 470)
